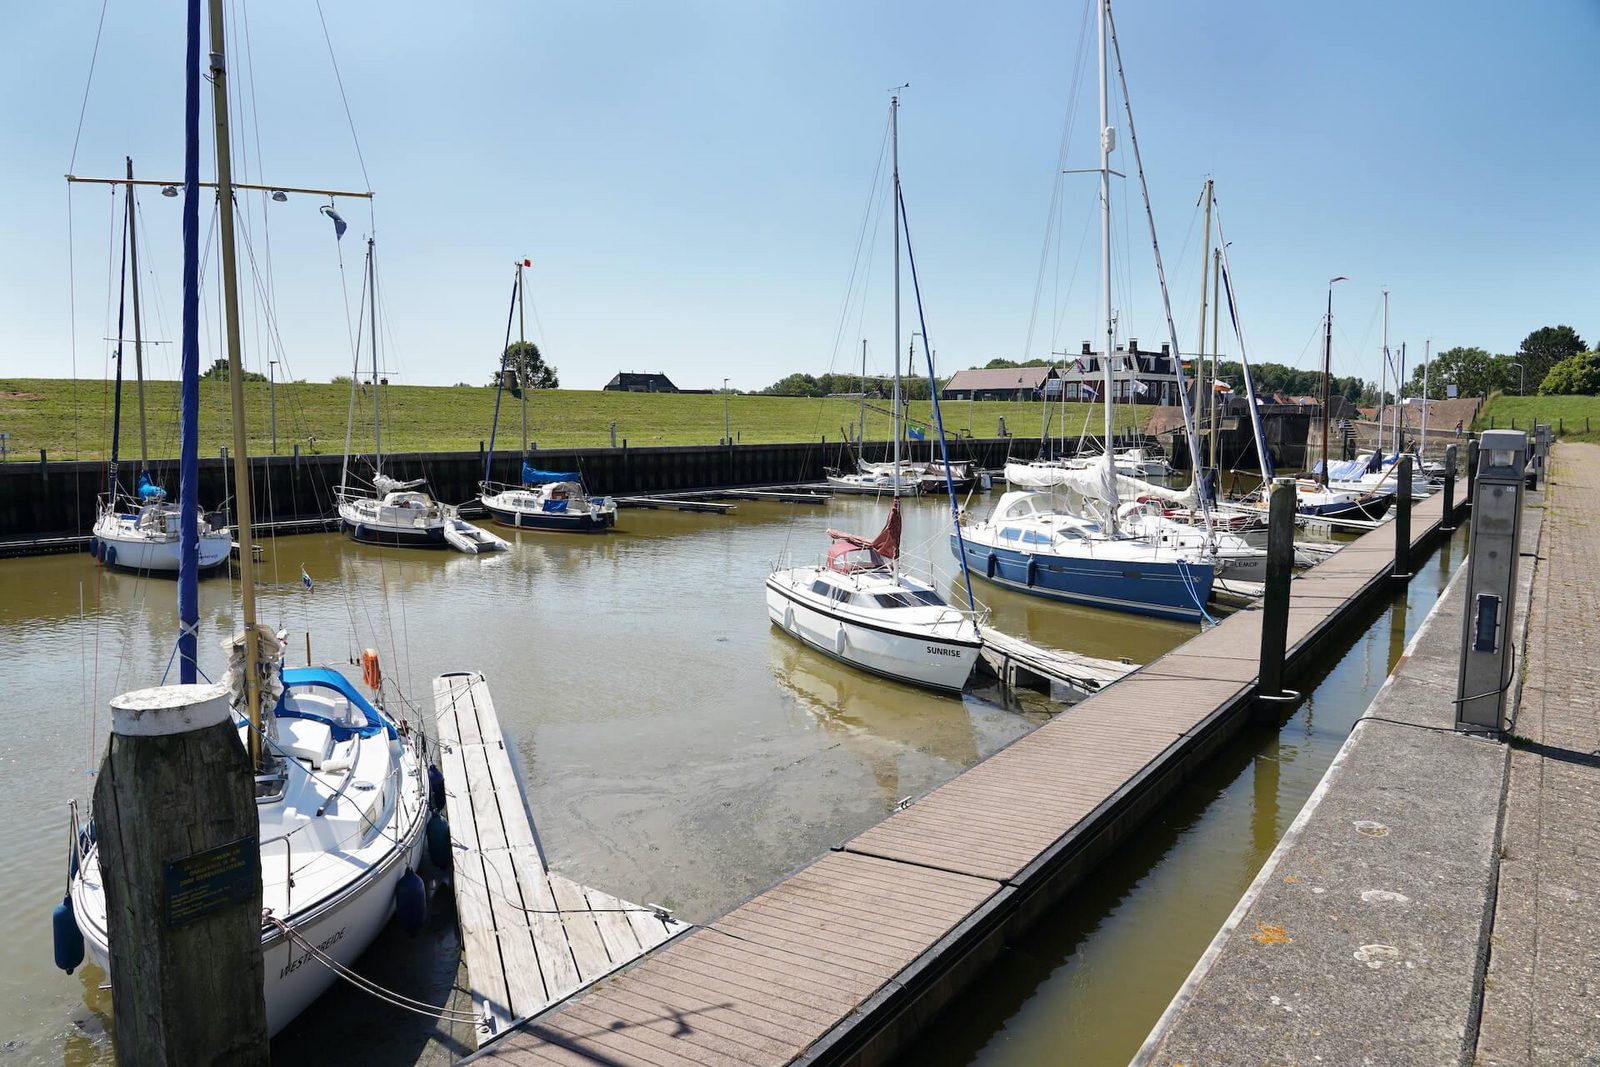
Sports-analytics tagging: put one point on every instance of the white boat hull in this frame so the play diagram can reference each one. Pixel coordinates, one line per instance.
(138, 553)
(917, 658)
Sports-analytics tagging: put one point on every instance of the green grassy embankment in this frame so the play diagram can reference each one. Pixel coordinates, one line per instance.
(1577, 418)
(72, 419)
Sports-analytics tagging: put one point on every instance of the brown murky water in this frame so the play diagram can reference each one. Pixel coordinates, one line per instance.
(675, 749)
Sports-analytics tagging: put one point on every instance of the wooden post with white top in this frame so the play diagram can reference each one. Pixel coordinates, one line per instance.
(175, 817)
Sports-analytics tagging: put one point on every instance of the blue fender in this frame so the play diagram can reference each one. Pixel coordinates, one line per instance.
(68, 938)
(411, 902)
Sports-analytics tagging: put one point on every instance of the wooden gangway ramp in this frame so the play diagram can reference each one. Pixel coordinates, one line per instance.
(531, 936)
(1018, 663)
(842, 960)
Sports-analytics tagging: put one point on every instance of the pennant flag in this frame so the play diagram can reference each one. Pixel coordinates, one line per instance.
(305, 579)
(916, 434)
(339, 225)
(1139, 387)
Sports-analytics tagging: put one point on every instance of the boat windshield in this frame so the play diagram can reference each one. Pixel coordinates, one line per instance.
(910, 598)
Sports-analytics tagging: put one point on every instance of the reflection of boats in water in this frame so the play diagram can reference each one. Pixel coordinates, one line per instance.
(864, 710)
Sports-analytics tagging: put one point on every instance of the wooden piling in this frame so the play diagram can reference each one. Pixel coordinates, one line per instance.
(1275, 599)
(1472, 471)
(1402, 519)
(1447, 518)
(180, 859)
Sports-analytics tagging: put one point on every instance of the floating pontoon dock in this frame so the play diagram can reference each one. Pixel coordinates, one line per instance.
(531, 936)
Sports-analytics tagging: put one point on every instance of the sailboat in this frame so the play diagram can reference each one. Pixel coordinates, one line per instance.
(399, 514)
(142, 532)
(553, 501)
(1329, 497)
(338, 779)
(1086, 551)
(859, 605)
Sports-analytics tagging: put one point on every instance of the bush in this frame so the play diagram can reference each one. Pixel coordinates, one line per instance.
(1577, 375)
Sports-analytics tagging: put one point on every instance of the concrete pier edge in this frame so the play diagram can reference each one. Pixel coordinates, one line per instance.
(1445, 610)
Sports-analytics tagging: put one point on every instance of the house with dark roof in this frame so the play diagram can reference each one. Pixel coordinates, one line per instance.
(1002, 383)
(632, 382)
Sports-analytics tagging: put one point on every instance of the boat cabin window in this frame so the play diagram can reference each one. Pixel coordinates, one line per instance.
(910, 598)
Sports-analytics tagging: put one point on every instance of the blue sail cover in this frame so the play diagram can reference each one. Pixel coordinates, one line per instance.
(149, 492)
(535, 476)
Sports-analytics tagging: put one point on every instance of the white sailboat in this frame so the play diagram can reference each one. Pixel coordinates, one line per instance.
(142, 532)
(553, 501)
(859, 605)
(338, 779)
(400, 514)
(1077, 543)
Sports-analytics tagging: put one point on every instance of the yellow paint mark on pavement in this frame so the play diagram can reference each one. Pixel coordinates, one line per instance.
(1271, 935)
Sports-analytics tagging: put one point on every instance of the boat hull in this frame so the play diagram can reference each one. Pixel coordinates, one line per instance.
(553, 522)
(146, 555)
(1367, 509)
(1160, 590)
(916, 659)
(395, 536)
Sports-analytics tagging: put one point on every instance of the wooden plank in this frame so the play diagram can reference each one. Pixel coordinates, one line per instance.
(588, 947)
(554, 955)
(524, 981)
(611, 917)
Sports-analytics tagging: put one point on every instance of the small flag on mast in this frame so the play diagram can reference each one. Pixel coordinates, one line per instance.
(339, 225)
(305, 579)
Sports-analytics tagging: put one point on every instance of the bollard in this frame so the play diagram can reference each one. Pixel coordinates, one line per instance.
(180, 860)
(613, 433)
(1472, 472)
(44, 465)
(1270, 693)
(1402, 520)
(1447, 522)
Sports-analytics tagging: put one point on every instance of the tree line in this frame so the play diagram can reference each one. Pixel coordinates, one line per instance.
(1552, 360)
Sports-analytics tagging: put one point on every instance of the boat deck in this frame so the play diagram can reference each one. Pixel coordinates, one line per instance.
(843, 959)
(531, 936)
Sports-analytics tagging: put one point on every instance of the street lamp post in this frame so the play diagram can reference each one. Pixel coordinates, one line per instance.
(272, 395)
(727, 433)
(1522, 378)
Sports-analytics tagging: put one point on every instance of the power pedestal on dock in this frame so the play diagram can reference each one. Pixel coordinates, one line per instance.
(1486, 642)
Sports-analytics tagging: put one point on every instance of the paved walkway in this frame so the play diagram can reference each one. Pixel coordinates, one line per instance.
(1541, 999)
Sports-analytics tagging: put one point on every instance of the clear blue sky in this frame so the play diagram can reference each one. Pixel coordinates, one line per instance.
(689, 179)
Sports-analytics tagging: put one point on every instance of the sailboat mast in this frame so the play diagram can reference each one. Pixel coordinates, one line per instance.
(861, 423)
(894, 138)
(241, 462)
(377, 433)
(522, 338)
(1327, 397)
(116, 407)
(1216, 350)
(1108, 138)
(1200, 348)
(1383, 371)
(1427, 351)
(138, 330)
(189, 372)
(1399, 401)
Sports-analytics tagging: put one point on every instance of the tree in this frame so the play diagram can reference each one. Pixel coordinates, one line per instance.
(219, 371)
(1544, 348)
(531, 370)
(1577, 375)
(1472, 371)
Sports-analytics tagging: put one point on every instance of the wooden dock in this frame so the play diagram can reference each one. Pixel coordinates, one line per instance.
(843, 960)
(1023, 664)
(531, 936)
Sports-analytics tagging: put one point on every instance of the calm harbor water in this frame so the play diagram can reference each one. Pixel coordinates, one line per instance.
(675, 749)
